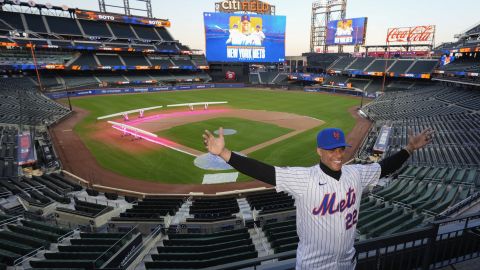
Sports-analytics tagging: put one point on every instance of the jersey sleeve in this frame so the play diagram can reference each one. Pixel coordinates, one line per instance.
(293, 180)
(369, 174)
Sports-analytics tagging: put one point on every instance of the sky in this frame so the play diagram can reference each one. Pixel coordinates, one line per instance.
(186, 17)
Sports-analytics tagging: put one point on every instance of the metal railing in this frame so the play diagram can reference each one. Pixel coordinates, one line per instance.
(18, 262)
(422, 248)
(136, 252)
(111, 250)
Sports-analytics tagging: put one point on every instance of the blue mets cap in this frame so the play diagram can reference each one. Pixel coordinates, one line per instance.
(331, 138)
(245, 18)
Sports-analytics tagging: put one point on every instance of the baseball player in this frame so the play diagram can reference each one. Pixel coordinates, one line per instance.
(257, 37)
(327, 195)
(236, 37)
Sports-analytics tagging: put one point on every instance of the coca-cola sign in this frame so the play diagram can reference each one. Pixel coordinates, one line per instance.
(415, 34)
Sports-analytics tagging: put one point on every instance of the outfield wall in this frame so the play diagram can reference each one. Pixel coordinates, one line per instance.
(130, 90)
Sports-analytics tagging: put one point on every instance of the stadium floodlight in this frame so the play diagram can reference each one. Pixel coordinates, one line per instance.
(324, 11)
(127, 9)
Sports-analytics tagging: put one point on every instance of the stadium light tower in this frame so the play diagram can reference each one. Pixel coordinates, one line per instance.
(324, 11)
(127, 9)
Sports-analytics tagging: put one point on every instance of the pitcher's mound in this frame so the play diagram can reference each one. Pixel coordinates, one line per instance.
(226, 131)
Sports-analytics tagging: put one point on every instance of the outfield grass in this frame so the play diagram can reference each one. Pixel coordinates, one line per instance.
(245, 128)
(168, 166)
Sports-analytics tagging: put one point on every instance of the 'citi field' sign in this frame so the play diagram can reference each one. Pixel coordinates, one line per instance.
(415, 34)
(245, 5)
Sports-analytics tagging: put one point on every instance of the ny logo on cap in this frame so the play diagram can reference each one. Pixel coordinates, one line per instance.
(336, 135)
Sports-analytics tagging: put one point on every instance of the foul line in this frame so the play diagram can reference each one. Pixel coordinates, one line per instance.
(148, 136)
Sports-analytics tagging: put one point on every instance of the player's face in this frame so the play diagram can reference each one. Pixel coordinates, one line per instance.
(245, 25)
(333, 158)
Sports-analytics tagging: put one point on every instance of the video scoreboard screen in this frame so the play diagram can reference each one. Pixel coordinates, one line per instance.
(244, 37)
(347, 32)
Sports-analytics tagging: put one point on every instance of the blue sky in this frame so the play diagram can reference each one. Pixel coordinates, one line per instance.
(450, 17)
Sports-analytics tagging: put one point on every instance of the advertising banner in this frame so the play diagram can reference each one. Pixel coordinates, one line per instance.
(97, 16)
(423, 34)
(26, 153)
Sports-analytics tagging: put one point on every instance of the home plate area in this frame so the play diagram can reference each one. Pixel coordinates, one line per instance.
(211, 162)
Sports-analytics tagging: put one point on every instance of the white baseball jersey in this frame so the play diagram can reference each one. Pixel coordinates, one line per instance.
(327, 212)
(236, 38)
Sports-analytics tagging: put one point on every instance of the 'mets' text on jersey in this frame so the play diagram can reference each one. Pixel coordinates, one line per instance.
(327, 212)
(330, 205)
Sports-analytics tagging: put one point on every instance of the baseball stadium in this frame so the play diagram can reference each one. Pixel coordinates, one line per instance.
(103, 164)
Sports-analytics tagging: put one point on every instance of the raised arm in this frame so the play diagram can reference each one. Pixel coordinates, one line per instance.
(245, 165)
(395, 161)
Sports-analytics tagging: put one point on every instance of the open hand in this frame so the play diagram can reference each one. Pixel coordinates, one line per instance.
(214, 145)
(420, 140)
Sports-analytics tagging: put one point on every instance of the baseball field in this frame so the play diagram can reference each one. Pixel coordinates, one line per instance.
(267, 124)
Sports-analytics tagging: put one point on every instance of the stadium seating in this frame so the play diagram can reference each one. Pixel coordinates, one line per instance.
(182, 61)
(63, 26)
(401, 66)
(90, 251)
(86, 209)
(8, 153)
(189, 251)
(21, 104)
(26, 238)
(439, 176)
(320, 62)
(468, 64)
(207, 209)
(342, 63)
(281, 235)
(85, 59)
(13, 20)
(423, 66)
(151, 209)
(379, 65)
(135, 60)
(110, 78)
(164, 34)
(35, 23)
(360, 63)
(79, 80)
(109, 60)
(271, 202)
(95, 28)
(146, 32)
